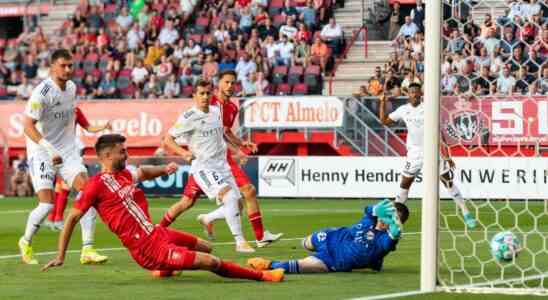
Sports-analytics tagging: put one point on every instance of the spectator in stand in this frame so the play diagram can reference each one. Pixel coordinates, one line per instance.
(448, 83)
(135, 37)
(319, 53)
(302, 53)
(210, 47)
(395, 21)
(192, 50)
(303, 34)
(524, 81)
(418, 64)
(249, 88)
(143, 18)
(226, 64)
(518, 59)
(24, 89)
(107, 87)
(309, 15)
(456, 43)
(168, 35)
(483, 59)
(262, 65)
(246, 20)
(506, 82)
(285, 47)
(392, 84)
(197, 67)
(152, 89)
(418, 14)
(172, 88)
(508, 43)
(289, 29)
(124, 20)
(20, 182)
(154, 53)
(267, 30)
(185, 73)
(543, 81)
(486, 27)
(210, 70)
(491, 42)
(410, 77)
(541, 45)
(261, 85)
(91, 84)
(245, 66)
(483, 82)
(332, 35)
(164, 69)
(376, 83)
(408, 29)
(43, 70)
(535, 61)
(93, 18)
(30, 66)
(289, 10)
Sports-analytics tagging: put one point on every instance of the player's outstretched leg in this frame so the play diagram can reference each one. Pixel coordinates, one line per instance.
(263, 237)
(61, 199)
(455, 193)
(204, 261)
(177, 209)
(36, 217)
(207, 221)
(308, 264)
(231, 203)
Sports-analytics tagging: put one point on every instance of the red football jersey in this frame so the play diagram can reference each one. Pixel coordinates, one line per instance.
(80, 118)
(229, 111)
(121, 205)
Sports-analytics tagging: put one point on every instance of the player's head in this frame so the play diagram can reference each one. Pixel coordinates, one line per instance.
(415, 93)
(227, 80)
(403, 211)
(61, 64)
(112, 152)
(201, 94)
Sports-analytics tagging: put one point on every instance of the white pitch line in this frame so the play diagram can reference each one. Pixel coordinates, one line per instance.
(391, 296)
(123, 248)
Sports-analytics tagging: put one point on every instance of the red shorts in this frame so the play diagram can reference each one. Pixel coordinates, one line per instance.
(192, 189)
(166, 249)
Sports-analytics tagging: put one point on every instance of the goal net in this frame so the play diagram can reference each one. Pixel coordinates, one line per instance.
(493, 117)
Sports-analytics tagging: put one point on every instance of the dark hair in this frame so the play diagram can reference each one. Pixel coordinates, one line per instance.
(107, 141)
(227, 72)
(60, 53)
(403, 211)
(202, 83)
(416, 85)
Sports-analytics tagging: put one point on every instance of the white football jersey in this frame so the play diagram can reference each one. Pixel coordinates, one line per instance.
(53, 109)
(204, 135)
(413, 117)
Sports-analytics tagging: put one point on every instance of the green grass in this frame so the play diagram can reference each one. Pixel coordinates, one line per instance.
(121, 278)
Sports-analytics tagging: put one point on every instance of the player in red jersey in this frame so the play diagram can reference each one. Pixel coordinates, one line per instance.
(229, 110)
(62, 190)
(124, 209)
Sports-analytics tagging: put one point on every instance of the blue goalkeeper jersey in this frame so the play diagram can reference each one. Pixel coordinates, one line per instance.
(356, 247)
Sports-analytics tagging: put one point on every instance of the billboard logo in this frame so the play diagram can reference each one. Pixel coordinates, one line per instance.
(279, 169)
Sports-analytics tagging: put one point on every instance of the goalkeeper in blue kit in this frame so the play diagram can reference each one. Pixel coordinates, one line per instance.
(360, 246)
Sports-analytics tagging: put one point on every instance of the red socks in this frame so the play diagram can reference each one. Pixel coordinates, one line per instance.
(256, 221)
(232, 270)
(166, 220)
(59, 206)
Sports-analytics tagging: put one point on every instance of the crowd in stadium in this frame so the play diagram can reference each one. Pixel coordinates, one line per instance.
(276, 47)
(502, 55)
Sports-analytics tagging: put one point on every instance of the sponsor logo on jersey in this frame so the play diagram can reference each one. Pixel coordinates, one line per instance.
(279, 169)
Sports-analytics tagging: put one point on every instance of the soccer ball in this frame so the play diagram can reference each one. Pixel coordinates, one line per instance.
(505, 246)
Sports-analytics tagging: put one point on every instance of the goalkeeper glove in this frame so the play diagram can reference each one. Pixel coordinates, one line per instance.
(394, 227)
(384, 209)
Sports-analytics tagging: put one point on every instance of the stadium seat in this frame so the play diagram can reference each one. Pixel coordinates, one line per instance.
(202, 24)
(103, 63)
(275, 7)
(283, 89)
(278, 74)
(3, 43)
(300, 89)
(279, 20)
(186, 91)
(312, 77)
(237, 88)
(123, 82)
(89, 65)
(127, 93)
(78, 75)
(3, 92)
(295, 74)
(197, 38)
(97, 73)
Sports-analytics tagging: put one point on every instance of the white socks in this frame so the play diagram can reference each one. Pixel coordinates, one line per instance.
(402, 196)
(457, 197)
(36, 216)
(87, 223)
(232, 214)
(217, 214)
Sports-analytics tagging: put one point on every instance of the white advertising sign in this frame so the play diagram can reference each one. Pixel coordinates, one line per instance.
(364, 177)
(293, 112)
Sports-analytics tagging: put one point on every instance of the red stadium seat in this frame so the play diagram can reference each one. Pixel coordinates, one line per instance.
(283, 89)
(97, 73)
(237, 88)
(295, 74)
(202, 23)
(275, 7)
(127, 92)
(186, 91)
(279, 74)
(125, 73)
(279, 20)
(300, 89)
(196, 37)
(79, 73)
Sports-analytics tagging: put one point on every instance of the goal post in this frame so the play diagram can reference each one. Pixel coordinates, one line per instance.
(499, 133)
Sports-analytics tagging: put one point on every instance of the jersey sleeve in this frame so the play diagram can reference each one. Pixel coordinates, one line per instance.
(37, 103)
(387, 243)
(81, 118)
(183, 127)
(88, 197)
(396, 115)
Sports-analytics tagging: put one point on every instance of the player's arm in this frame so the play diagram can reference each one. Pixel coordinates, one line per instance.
(182, 128)
(150, 172)
(33, 112)
(445, 152)
(83, 121)
(81, 206)
(385, 120)
(238, 142)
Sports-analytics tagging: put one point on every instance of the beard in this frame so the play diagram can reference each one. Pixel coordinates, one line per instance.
(119, 165)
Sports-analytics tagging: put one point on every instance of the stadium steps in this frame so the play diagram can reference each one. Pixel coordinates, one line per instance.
(355, 70)
(58, 13)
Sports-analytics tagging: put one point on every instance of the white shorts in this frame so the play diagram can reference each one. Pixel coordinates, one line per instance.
(43, 172)
(414, 165)
(212, 181)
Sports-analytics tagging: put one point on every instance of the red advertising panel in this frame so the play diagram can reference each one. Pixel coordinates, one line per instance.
(495, 121)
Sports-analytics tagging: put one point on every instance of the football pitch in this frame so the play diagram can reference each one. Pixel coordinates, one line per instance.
(122, 278)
